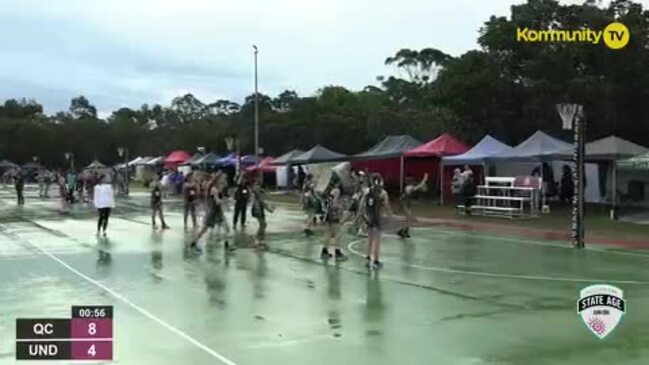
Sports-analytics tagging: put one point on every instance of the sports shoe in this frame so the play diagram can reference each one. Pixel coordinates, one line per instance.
(195, 249)
(377, 264)
(340, 256)
(325, 255)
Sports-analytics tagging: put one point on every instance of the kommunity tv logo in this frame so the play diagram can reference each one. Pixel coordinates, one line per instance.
(615, 36)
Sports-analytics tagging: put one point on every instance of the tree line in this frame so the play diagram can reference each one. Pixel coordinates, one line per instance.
(507, 89)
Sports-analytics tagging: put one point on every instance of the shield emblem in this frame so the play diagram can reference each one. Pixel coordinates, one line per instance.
(601, 307)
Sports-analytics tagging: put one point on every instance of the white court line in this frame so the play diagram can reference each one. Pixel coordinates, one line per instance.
(351, 249)
(531, 242)
(143, 311)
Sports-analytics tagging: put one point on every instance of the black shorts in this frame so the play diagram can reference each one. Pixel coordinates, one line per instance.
(373, 223)
(353, 207)
(332, 220)
(213, 219)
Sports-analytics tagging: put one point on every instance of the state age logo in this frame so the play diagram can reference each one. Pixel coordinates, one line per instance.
(601, 307)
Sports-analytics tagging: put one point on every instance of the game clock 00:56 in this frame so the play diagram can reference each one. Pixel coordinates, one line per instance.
(99, 312)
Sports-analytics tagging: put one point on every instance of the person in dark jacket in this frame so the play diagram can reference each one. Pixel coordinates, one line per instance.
(301, 176)
(567, 185)
(241, 198)
(190, 200)
(19, 184)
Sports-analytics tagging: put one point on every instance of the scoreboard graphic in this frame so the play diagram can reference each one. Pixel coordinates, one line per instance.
(88, 335)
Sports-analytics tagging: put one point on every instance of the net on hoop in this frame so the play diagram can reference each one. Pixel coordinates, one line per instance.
(120, 151)
(229, 143)
(569, 113)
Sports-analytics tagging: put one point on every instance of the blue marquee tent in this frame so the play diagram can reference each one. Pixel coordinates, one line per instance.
(227, 161)
(249, 160)
(487, 147)
(208, 159)
(539, 147)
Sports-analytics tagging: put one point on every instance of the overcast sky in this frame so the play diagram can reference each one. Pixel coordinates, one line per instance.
(129, 52)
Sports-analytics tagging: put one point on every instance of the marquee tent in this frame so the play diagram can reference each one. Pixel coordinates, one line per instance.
(208, 159)
(265, 166)
(6, 164)
(390, 147)
(639, 162)
(250, 160)
(612, 148)
(317, 154)
(444, 145)
(135, 160)
(283, 159)
(175, 158)
(606, 152)
(197, 156)
(31, 166)
(156, 161)
(227, 161)
(477, 155)
(131, 163)
(95, 165)
(140, 161)
(386, 158)
(539, 147)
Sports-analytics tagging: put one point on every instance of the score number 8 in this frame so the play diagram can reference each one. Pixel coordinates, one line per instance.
(92, 329)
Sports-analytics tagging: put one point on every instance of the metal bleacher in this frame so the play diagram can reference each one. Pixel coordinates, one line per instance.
(509, 197)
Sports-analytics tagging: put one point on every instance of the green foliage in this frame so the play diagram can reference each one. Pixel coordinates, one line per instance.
(506, 88)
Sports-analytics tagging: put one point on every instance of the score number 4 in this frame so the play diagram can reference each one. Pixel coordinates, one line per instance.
(91, 351)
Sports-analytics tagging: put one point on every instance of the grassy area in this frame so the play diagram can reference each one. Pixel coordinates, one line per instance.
(560, 219)
(138, 187)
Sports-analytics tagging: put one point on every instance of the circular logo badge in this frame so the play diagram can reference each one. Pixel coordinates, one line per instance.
(616, 35)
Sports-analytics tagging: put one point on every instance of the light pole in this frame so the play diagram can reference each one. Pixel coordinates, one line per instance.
(256, 108)
(572, 117)
(123, 151)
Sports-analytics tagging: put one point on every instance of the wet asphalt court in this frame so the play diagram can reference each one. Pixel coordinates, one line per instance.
(444, 297)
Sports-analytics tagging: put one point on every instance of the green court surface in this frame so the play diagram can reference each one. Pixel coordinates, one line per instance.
(443, 297)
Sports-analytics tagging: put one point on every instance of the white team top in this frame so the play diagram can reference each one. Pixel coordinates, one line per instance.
(104, 196)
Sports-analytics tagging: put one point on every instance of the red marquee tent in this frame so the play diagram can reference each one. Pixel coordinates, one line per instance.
(444, 145)
(175, 158)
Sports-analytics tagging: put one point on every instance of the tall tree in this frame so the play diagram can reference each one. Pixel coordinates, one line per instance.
(80, 108)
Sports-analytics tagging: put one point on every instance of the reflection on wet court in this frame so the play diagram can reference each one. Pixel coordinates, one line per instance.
(444, 297)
